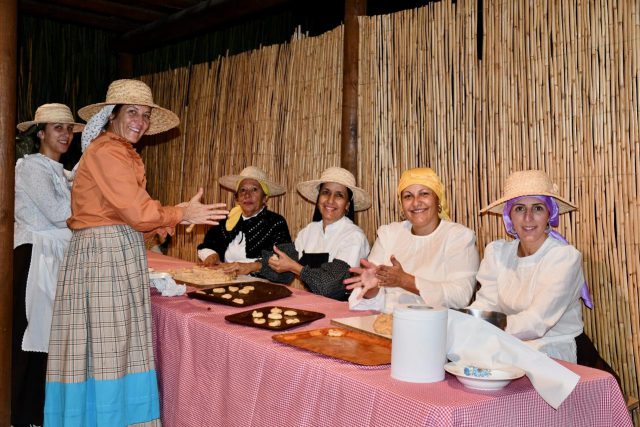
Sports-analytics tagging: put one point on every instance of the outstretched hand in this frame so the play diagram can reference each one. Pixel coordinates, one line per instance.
(195, 212)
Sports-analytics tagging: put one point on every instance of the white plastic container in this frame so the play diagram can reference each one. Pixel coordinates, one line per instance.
(419, 345)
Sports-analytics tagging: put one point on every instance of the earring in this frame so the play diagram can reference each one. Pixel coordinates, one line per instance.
(439, 208)
(548, 229)
(402, 217)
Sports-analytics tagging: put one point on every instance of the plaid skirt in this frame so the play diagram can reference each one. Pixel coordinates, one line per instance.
(101, 369)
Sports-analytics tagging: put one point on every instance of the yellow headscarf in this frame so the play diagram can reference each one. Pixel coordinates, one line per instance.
(236, 212)
(428, 178)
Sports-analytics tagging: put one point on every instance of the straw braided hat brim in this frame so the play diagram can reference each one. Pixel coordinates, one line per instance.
(134, 92)
(52, 113)
(529, 183)
(309, 189)
(231, 182)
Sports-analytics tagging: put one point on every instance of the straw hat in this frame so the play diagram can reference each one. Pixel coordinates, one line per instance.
(529, 183)
(134, 92)
(232, 181)
(52, 113)
(309, 189)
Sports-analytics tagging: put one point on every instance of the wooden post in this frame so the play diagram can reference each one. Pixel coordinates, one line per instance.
(125, 65)
(349, 133)
(8, 83)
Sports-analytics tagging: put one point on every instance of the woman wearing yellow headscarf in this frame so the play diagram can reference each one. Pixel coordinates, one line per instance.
(424, 259)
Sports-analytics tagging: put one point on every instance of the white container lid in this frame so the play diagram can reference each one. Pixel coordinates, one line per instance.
(415, 311)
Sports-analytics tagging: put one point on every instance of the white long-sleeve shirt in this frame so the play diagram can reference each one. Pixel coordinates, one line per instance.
(43, 198)
(540, 293)
(444, 264)
(342, 240)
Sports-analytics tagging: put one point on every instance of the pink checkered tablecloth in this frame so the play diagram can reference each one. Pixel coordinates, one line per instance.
(213, 373)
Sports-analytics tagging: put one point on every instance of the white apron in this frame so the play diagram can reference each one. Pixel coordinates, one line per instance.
(46, 256)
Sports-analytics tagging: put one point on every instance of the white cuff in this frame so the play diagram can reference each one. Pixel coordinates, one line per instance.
(357, 302)
(205, 253)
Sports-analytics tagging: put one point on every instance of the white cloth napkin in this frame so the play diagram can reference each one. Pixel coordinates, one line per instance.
(166, 285)
(473, 341)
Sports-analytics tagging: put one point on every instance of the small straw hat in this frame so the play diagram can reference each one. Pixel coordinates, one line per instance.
(309, 189)
(529, 183)
(231, 182)
(134, 92)
(52, 113)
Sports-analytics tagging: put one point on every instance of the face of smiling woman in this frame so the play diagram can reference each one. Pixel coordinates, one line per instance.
(55, 139)
(131, 122)
(530, 217)
(420, 207)
(333, 202)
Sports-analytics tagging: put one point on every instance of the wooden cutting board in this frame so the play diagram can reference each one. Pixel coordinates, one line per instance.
(343, 344)
(362, 324)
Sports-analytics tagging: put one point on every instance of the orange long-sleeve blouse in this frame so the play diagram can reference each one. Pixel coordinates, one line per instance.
(110, 188)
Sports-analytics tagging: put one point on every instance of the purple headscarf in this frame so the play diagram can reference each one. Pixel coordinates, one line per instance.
(554, 214)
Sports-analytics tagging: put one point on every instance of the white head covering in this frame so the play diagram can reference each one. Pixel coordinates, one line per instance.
(95, 125)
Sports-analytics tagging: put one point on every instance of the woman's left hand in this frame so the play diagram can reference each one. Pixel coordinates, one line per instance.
(394, 275)
(239, 268)
(281, 262)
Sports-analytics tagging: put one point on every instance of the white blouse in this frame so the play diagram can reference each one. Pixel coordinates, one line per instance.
(237, 249)
(43, 197)
(444, 264)
(540, 293)
(342, 240)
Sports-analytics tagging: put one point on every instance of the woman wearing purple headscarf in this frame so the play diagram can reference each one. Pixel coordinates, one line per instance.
(535, 279)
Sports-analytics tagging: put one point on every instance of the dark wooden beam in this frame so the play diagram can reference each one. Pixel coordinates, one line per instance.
(8, 84)
(108, 8)
(349, 132)
(202, 17)
(164, 4)
(63, 14)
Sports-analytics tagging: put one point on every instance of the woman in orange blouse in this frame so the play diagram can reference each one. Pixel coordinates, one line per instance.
(101, 364)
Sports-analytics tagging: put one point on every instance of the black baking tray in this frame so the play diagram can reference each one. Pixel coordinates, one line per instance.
(263, 292)
(246, 318)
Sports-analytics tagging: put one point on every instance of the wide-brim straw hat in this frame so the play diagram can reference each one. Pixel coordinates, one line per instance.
(309, 189)
(134, 92)
(52, 113)
(231, 182)
(529, 183)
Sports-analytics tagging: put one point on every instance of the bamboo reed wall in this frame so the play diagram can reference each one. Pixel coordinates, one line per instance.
(557, 89)
(60, 63)
(278, 108)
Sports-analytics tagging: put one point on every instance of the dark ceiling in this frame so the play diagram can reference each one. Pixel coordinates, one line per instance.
(158, 21)
(110, 15)
(144, 24)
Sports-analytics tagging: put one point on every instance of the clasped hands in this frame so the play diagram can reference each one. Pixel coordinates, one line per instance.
(370, 277)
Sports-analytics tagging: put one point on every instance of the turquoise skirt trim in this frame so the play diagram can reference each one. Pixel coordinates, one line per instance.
(102, 403)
